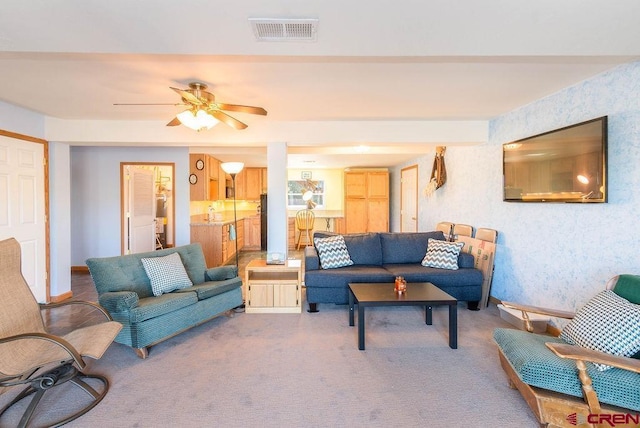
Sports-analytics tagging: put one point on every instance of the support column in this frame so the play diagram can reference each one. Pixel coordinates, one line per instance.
(277, 222)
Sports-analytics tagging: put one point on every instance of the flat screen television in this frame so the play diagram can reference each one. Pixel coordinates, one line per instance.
(563, 165)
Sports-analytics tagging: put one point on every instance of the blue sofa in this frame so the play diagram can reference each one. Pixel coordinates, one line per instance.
(380, 257)
(124, 290)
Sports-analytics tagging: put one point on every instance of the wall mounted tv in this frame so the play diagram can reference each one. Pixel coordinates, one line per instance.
(564, 165)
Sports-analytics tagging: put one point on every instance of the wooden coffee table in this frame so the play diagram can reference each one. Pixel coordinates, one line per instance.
(417, 294)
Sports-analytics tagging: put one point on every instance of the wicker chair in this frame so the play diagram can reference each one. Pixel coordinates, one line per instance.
(31, 356)
(561, 382)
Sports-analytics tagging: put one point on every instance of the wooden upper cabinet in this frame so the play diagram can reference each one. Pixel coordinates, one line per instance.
(378, 185)
(355, 184)
(253, 183)
(213, 168)
(264, 181)
(198, 191)
(208, 178)
(240, 184)
(366, 201)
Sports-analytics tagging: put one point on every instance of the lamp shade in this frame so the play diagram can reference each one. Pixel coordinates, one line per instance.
(307, 195)
(232, 167)
(198, 120)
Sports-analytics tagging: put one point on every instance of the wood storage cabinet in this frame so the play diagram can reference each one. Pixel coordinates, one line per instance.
(207, 179)
(366, 205)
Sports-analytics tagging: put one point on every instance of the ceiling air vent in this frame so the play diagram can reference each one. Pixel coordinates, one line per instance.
(282, 30)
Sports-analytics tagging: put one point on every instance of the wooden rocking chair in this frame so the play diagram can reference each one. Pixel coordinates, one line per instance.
(560, 382)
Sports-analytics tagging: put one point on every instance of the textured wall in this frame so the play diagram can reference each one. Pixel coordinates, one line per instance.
(555, 255)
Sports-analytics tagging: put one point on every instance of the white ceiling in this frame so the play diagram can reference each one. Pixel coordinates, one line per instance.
(375, 63)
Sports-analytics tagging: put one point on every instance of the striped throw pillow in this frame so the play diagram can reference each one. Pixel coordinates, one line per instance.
(333, 252)
(166, 273)
(442, 254)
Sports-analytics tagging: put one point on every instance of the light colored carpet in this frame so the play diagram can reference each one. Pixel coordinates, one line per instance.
(295, 370)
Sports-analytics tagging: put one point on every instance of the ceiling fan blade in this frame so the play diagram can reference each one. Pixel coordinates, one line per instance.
(242, 109)
(188, 96)
(223, 117)
(174, 122)
(148, 104)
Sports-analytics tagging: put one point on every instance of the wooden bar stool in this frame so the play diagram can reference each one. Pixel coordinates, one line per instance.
(304, 224)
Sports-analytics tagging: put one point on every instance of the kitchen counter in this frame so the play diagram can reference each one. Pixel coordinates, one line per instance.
(319, 213)
(330, 217)
(227, 217)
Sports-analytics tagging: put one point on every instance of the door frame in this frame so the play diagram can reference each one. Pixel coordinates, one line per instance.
(45, 166)
(172, 208)
(403, 196)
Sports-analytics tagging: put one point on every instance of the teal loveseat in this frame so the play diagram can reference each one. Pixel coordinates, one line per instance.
(125, 291)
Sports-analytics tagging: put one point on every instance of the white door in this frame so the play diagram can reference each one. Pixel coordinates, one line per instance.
(23, 207)
(140, 208)
(409, 199)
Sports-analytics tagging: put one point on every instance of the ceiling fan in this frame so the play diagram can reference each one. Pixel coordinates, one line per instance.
(203, 112)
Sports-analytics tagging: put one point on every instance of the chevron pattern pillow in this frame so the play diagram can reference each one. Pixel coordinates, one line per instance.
(333, 252)
(607, 323)
(442, 254)
(166, 273)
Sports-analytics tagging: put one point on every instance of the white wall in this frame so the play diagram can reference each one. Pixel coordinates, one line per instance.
(59, 218)
(95, 197)
(556, 255)
(21, 121)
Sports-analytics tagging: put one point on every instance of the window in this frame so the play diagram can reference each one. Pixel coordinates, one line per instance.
(295, 189)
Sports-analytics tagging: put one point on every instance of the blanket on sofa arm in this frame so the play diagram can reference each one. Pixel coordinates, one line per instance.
(380, 257)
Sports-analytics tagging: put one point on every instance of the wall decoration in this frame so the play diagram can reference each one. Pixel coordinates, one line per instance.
(438, 173)
(305, 175)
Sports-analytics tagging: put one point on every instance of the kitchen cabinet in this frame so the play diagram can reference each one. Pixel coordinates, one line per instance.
(213, 172)
(215, 239)
(253, 183)
(250, 183)
(366, 201)
(204, 177)
(252, 233)
(291, 233)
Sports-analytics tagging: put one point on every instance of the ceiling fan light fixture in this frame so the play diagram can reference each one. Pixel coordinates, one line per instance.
(198, 120)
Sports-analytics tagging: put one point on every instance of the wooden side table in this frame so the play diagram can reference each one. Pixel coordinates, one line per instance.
(273, 288)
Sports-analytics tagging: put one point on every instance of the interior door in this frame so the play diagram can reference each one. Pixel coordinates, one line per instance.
(23, 207)
(409, 199)
(140, 209)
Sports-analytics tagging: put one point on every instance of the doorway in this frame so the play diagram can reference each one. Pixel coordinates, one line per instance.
(147, 206)
(409, 199)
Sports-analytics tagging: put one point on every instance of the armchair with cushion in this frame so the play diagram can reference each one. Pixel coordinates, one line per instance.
(590, 374)
(31, 356)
